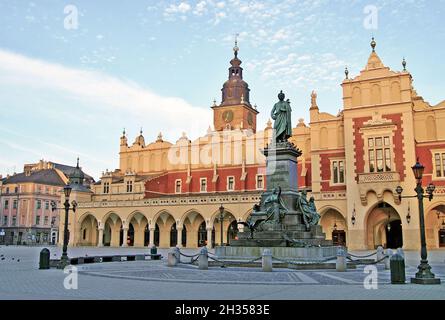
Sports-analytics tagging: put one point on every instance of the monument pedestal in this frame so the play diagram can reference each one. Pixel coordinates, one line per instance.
(289, 238)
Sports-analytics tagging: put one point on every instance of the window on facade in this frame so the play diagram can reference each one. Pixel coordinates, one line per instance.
(37, 220)
(14, 204)
(379, 154)
(260, 182)
(203, 185)
(230, 183)
(46, 205)
(439, 164)
(6, 206)
(178, 186)
(39, 189)
(14, 221)
(39, 204)
(5, 220)
(7, 189)
(45, 221)
(338, 171)
(106, 187)
(129, 186)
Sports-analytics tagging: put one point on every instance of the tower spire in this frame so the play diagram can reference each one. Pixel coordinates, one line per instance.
(236, 48)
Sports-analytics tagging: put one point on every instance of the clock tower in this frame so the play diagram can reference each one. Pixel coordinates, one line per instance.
(235, 110)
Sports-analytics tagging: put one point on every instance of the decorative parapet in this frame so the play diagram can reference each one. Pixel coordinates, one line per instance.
(377, 177)
(321, 196)
(378, 182)
(174, 201)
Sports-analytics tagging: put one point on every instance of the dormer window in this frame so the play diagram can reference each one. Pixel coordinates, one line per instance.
(106, 187)
(203, 182)
(129, 186)
(178, 186)
(230, 183)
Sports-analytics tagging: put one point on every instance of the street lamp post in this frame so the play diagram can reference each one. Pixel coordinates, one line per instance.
(221, 221)
(424, 275)
(64, 261)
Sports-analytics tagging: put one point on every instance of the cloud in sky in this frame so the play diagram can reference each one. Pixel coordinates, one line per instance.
(100, 88)
(103, 102)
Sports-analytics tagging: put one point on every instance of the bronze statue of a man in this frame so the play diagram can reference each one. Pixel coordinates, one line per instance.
(281, 113)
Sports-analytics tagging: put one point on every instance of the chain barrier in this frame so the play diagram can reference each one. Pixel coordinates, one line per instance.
(366, 256)
(192, 261)
(368, 263)
(188, 256)
(224, 263)
(303, 262)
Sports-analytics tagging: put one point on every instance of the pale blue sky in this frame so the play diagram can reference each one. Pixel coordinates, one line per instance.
(69, 92)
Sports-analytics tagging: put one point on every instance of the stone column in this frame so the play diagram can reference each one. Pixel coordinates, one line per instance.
(266, 261)
(209, 238)
(203, 260)
(387, 260)
(151, 241)
(341, 263)
(380, 254)
(179, 236)
(124, 236)
(100, 238)
(240, 226)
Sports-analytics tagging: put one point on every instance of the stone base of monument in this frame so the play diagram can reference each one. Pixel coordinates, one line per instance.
(308, 254)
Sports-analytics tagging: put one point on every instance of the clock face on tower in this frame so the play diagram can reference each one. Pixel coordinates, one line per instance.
(227, 116)
(250, 118)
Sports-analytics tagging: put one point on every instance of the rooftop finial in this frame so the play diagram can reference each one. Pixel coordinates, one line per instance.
(77, 166)
(235, 48)
(373, 44)
(141, 131)
(123, 133)
(346, 72)
(404, 64)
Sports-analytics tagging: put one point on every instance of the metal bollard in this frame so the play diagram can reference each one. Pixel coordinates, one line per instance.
(267, 260)
(341, 263)
(387, 259)
(203, 260)
(397, 265)
(172, 260)
(380, 253)
(44, 259)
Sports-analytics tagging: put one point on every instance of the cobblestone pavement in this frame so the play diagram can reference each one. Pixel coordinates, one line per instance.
(21, 279)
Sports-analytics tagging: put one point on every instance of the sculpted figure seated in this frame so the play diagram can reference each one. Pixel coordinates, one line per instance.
(310, 215)
(275, 209)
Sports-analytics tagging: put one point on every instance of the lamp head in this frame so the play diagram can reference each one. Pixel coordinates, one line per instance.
(418, 169)
(67, 190)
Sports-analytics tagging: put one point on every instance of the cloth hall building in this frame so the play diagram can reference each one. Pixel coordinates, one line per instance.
(169, 194)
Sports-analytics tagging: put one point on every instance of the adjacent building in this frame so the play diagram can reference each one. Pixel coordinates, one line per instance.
(169, 194)
(28, 200)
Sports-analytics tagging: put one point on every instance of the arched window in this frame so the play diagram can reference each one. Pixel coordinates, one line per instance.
(431, 133)
(202, 235)
(395, 92)
(376, 96)
(341, 136)
(356, 97)
(323, 137)
(173, 236)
